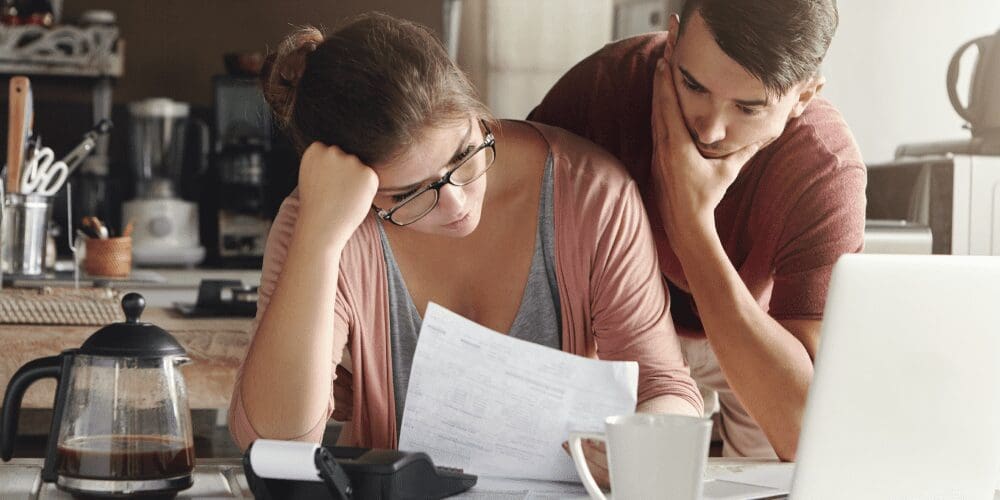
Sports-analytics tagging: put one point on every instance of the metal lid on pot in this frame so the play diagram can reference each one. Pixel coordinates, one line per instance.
(132, 338)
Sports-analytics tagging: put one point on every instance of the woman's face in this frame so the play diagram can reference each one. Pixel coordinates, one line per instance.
(438, 150)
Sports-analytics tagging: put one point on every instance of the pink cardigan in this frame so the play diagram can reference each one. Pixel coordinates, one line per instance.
(612, 296)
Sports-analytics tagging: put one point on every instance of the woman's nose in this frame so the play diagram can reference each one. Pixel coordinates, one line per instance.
(451, 199)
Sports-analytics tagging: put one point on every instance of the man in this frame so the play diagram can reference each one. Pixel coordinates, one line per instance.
(754, 187)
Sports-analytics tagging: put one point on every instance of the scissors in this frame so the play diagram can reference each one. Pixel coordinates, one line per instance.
(43, 175)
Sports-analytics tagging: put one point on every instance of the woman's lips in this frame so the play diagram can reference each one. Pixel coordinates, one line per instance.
(458, 222)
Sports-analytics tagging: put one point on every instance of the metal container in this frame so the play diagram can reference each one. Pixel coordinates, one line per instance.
(24, 225)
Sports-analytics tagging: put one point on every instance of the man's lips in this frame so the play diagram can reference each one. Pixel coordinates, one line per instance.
(710, 154)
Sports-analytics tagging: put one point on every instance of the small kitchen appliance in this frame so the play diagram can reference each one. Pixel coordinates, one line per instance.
(160, 154)
(236, 217)
(982, 107)
(121, 424)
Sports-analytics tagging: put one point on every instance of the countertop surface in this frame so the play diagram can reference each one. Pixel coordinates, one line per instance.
(216, 347)
(139, 278)
(224, 478)
(213, 478)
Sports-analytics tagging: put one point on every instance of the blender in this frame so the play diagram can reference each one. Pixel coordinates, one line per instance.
(166, 225)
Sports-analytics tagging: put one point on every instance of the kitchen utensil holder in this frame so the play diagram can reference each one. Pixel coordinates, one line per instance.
(108, 256)
(25, 221)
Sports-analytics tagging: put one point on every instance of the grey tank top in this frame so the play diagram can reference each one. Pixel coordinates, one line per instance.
(538, 318)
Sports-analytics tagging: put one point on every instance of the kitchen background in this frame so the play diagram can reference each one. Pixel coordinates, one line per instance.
(886, 72)
(932, 188)
(886, 68)
(174, 47)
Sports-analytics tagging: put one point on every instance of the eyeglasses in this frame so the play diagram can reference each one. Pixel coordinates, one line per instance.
(422, 201)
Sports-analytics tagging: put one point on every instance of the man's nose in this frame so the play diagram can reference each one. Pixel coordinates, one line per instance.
(710, 128)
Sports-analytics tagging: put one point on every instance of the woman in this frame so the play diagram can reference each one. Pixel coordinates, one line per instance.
(408, 193)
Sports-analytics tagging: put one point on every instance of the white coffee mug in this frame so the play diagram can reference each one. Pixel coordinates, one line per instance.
(649, 456)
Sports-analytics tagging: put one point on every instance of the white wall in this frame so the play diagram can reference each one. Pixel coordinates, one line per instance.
(515, 50)
(887, 65)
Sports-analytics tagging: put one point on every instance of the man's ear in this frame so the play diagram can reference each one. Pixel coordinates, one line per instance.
(807, 91)
(673, 29)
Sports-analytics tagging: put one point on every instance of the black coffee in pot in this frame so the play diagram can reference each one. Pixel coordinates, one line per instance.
(125, 457)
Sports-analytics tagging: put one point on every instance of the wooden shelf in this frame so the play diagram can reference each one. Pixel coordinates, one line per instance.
(62, 51)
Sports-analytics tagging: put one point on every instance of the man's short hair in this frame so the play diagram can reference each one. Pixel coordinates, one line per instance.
(781, 42)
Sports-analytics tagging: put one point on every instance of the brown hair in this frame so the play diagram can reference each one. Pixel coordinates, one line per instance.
(369, 87)
(781, 42)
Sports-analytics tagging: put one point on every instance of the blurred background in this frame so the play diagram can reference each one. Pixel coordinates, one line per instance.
(886, 68)
(179, 76)
(886, 71)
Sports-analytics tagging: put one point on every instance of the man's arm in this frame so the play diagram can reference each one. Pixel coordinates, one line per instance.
(767, 363)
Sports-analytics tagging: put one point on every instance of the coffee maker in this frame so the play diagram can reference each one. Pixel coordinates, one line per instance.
(121, 422)
(165, 146)
(236, 213)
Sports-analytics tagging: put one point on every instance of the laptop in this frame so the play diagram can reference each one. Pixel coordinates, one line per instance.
(905, 400)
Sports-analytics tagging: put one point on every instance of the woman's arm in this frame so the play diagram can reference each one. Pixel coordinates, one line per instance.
(669, 404)
(631, 308)
(285, 387)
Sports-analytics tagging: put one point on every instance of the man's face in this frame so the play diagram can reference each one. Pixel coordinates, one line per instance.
(726, 108)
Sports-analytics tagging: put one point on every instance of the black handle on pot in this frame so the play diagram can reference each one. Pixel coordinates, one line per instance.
(24, 377)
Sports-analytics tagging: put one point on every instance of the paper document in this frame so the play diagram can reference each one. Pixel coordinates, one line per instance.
(776, 475)
(492, 488)
(726, 490)
(495, 405)
(748, 481)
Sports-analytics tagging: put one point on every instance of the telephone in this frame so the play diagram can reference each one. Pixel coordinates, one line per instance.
(291, 470)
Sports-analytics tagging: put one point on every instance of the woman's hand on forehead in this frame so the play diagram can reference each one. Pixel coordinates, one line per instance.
(336, 190)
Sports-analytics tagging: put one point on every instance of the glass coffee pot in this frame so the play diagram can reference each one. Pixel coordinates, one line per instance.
(121, 424)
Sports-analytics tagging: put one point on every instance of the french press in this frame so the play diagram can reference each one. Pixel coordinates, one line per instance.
(121, 425)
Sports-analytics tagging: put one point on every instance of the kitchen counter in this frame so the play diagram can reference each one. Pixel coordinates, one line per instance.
(224, 478)
(216, 347)
(161, 287)
(181, 284)
(213, 478)
(190, 277)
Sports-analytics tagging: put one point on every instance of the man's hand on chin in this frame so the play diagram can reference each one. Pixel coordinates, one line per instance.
(689, 185)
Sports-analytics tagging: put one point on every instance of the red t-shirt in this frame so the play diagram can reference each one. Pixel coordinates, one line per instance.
(793, 210)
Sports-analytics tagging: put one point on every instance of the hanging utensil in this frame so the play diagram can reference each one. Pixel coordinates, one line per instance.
(43, 175)
(19, 120)
(96, 226)
(77, 154)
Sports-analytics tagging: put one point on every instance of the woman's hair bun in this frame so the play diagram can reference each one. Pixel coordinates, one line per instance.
(283, 69)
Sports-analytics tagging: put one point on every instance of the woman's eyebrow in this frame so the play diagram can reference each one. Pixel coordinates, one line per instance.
(461, 145)
(458, 153)
(400, 189)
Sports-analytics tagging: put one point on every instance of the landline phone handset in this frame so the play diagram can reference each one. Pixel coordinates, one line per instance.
(333, 475)
(294, 470)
